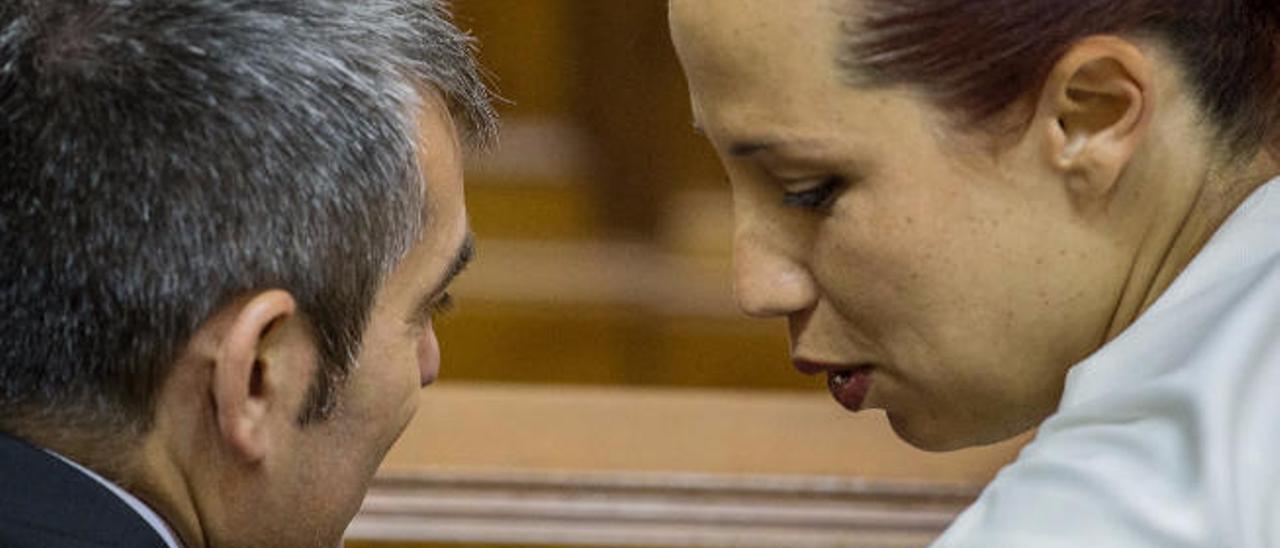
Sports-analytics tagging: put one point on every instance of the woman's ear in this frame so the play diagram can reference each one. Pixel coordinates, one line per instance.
(258, 372)
(1093, 113)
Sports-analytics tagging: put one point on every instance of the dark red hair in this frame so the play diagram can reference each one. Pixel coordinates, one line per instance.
(979, 57)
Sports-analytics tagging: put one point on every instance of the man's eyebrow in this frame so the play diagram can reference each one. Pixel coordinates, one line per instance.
(461, 259)
(466, 251)
(748, 148)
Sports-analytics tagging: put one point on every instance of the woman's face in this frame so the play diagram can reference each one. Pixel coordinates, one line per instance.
(924, 274)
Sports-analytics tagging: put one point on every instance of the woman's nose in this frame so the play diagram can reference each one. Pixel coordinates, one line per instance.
(768, 282)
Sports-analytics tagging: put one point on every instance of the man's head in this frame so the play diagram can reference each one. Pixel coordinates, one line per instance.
(216, 218)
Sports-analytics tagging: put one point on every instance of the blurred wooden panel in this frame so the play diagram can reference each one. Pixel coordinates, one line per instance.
(632, 101)
(528, 47)
(734, 353)
(607, 313)
(557, 428)
(606, 74)
(660, 467)
(394, 544)
(619, 510)
(530, 211)
(513, 342)
(579, 344)
(410, 544)
(354, 543)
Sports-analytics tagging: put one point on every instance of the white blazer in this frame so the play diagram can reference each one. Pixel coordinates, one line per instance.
(1169, 435)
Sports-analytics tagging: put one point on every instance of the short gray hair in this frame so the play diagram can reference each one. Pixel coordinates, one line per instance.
(164, 157)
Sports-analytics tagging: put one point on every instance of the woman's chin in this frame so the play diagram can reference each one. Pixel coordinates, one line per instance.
(929, 434)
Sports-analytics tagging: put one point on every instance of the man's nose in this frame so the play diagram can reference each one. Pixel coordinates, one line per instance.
(768, 281)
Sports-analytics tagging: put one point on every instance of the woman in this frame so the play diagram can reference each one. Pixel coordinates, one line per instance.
(983, 217)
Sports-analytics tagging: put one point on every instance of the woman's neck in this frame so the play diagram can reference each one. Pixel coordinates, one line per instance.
(1195, 208)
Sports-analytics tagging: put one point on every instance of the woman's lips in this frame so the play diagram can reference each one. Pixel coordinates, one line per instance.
(848, 383)
(850, 386)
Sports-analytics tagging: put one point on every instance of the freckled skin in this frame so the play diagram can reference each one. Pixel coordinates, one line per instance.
(968, 280)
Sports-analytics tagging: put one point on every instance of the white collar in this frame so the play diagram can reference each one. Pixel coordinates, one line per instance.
(145, 512)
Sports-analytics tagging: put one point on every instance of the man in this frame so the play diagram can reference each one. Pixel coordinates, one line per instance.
(225, 227)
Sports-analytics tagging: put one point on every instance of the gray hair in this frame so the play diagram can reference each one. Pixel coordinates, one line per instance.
(164, 157)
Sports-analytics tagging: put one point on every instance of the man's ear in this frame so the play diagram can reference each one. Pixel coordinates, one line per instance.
(259, 372)
(1094, 112)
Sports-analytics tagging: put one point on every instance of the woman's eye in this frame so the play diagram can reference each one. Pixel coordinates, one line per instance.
(817, 198)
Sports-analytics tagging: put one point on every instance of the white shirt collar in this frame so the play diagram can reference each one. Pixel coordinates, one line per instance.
(148, 515)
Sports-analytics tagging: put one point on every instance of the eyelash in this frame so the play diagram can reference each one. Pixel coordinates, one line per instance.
(442, 306)
(438, 308)
(818, 198)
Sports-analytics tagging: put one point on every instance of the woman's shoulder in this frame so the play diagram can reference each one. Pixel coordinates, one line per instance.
(1167, 436)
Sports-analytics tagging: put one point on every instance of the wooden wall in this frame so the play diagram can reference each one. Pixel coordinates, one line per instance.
(599, 387)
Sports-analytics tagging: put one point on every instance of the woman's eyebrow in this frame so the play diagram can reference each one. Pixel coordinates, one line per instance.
(740, 149)
(744, 148)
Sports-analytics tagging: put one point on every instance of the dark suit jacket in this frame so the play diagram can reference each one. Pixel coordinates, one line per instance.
(45, 503)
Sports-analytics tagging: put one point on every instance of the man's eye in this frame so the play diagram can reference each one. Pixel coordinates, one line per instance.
(442, 305)
(820, 197)
(429, 311)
